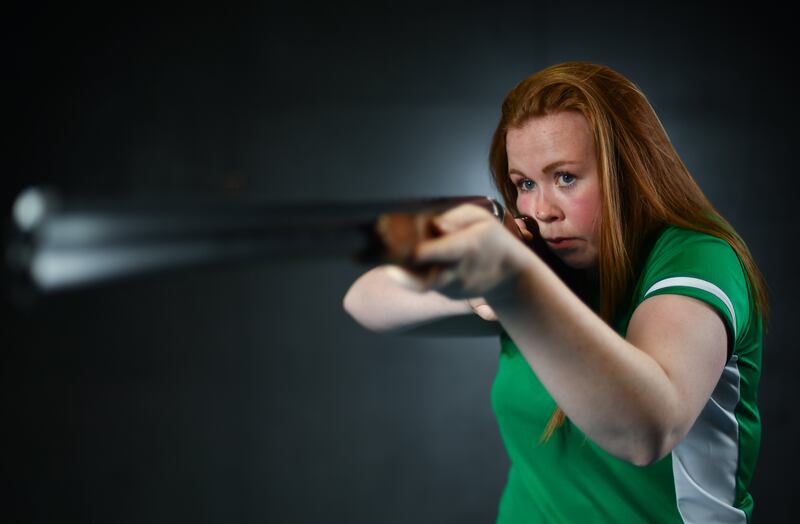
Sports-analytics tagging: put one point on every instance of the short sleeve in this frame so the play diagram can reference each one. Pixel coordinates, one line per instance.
(704, 267)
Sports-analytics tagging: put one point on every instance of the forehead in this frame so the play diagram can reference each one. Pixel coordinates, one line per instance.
(549, 137)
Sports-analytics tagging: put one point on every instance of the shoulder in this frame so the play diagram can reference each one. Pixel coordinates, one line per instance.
(703, 266)
(683, 243)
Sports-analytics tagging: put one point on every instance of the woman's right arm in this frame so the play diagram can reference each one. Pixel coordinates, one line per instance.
(380, 303)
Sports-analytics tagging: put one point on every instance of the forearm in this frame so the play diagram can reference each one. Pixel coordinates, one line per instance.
(618, 395)
(380, 304)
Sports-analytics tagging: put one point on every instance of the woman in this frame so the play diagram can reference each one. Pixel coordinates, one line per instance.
(626, 387)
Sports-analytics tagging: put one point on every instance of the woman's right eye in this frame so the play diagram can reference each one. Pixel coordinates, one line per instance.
(525, 184)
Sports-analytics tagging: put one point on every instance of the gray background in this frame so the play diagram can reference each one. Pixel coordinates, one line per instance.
(246, 394)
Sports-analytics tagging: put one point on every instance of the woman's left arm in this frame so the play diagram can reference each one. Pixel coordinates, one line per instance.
(636, 397)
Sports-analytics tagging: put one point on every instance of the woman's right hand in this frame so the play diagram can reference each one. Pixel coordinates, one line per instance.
(409, 279)
(519, 227)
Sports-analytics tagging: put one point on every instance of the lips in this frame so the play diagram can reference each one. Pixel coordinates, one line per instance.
(559, 242)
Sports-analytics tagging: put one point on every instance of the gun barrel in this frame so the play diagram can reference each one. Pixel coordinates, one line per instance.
(60, 244)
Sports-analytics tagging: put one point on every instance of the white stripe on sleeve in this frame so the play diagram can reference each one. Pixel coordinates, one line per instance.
(697, 284)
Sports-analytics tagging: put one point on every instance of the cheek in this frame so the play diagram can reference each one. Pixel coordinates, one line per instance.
(523, 202)
(584, 212)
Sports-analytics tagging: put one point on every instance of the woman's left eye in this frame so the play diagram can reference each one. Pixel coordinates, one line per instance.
(566, 178)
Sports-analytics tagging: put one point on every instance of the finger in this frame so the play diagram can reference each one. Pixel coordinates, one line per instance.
(445, 249)
(439, 278)
(460, 217)
(448, 283)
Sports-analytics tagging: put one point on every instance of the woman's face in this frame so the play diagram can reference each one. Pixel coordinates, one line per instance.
(552, 163)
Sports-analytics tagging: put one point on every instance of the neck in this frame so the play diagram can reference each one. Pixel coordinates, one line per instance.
(586, 284)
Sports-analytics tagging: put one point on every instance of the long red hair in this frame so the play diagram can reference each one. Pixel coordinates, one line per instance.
(644, 183)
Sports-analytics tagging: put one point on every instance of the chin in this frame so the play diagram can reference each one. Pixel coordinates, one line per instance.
(579, 263)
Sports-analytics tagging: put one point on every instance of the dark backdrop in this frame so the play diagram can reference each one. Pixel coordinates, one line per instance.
(246, 394)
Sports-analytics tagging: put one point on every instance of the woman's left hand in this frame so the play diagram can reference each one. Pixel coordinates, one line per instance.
(474, 257)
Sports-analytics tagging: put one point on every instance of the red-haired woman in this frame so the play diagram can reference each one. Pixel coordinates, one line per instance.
(631, 344)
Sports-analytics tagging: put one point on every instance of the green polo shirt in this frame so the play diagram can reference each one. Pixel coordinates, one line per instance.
(705, 479)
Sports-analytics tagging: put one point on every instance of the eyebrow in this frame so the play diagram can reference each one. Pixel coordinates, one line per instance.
(547, 168)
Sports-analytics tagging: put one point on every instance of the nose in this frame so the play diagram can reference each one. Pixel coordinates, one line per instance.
(545, 209)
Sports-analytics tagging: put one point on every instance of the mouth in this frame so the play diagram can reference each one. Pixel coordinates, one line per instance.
(560, 242)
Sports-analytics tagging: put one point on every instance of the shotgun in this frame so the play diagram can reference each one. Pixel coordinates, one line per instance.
(58, 243)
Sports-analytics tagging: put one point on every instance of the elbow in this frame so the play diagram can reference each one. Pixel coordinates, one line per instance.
(640, 454)
(652, 446)
(658, 430)
(353, 304)
(648, 454)
(355, 308)
(347, 302)
(650, 442)
(350, 305)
